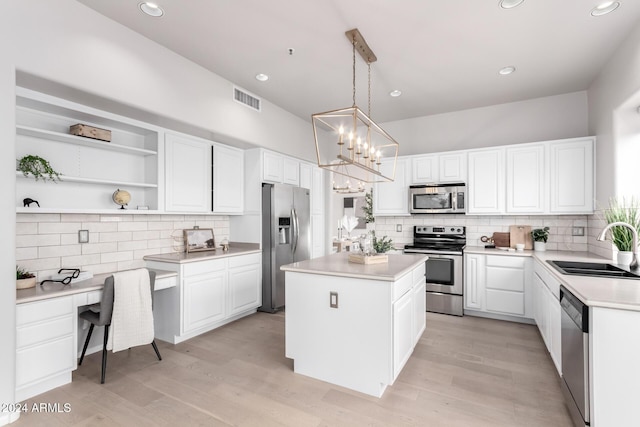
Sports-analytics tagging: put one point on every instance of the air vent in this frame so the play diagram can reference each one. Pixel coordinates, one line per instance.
(244, 98)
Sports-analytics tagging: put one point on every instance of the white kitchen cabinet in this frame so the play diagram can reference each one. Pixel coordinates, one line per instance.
(228, 180)
(452, 167)
(571, 176)
(290, 171)
(45, 345)
(272, 167)
(91, 170)
(403, 319)
(485, 187)
(306, 172)
(245, 283)
(419, 305)
(474, 279)
(392, 198)
(317, 192)
(210, 293)
(525, 179)
(187, 174)
(547, 312)
(424, 169)
(317, 236)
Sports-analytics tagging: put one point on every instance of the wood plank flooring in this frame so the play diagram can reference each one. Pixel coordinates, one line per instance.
(465, 371)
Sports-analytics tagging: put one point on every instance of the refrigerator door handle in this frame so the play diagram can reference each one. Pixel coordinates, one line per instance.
(296, 230)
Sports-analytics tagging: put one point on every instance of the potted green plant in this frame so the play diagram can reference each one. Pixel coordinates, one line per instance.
(367, 209)
(382, 245)
(540, 237)
(24, 279)
(622, 237)
(38, 167)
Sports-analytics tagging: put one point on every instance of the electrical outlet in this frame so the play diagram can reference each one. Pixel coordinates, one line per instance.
(399, 228)
(83, 236)
(577, 231)
(333, 299)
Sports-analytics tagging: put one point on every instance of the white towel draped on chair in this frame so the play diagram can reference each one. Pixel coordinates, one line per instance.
(132, 318)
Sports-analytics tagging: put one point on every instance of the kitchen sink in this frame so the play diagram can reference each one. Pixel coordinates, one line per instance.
(594, 269)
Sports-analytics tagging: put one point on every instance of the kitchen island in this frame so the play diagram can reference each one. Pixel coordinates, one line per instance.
(351, 324)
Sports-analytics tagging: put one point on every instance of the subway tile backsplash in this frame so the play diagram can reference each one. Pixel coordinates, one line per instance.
(48, 242)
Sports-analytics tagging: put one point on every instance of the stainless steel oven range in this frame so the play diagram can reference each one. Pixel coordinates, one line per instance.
(444, 245)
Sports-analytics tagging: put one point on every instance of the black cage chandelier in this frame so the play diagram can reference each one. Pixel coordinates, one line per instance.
(348, 142)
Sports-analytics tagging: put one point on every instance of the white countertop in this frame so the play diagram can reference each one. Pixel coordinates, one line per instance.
(235, 249)
(338, 265)
(53, 290)
(622, 294)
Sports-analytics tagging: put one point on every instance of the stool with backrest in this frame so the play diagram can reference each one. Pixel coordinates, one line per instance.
(103, 318)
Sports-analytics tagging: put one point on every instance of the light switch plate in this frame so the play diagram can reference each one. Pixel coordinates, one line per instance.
(578, 231)
(83, 236)
(333, 299)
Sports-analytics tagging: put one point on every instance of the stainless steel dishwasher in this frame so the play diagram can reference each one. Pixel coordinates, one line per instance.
(575, 356)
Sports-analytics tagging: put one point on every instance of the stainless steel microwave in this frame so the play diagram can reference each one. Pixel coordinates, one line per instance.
(437, 198)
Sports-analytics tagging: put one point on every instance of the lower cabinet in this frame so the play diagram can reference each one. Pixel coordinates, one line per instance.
(547, 312)
(45, 345)
(210, 294)
(498, 285)
(409, 319)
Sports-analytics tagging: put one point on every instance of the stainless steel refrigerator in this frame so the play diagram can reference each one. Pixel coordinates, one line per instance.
(286, 238)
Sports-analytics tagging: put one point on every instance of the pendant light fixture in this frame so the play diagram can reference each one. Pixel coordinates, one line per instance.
(348, 142)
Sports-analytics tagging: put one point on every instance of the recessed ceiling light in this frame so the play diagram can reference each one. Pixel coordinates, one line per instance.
(151, 9)
(262, 77)
(395, 93)
(507, 70)
(510, 4)
(604, 8)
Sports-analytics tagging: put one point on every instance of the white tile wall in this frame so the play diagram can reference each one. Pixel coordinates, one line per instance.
(560, 228)
(47, 242)
(606, 248)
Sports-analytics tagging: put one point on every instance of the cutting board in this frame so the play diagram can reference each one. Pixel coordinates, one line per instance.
(501, 240)
(521, 234)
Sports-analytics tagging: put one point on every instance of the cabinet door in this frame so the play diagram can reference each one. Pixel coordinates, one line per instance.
(317, 191)
(306, 171)
(541, 308)
(245, 287)
(525, 179)
(317, 236)
(486, 182)
(392, 198)
(424, 169)
(272, 167)
(402, 331)
(571, 176)
(419, 311)
(453, 167)
(291, 171)
(474, 276)
(554, 327)
(204, 300)
(228, 180)
(187, 175)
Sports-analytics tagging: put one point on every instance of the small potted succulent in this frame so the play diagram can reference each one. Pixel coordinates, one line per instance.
(540, 237)
(24, 279)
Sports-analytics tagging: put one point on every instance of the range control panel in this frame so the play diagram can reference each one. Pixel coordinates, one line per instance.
(445, 229)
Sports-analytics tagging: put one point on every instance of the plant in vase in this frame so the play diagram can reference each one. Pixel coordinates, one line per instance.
(540, 237)
(24, 279)
(622, 237)
(382, 245)
(367, 209)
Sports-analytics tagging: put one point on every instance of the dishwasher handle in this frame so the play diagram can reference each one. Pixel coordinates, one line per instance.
(575, 309)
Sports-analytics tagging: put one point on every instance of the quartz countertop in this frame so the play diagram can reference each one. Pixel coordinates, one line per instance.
(53, 290)
(235, 249)
(622, 294)
(339, 265)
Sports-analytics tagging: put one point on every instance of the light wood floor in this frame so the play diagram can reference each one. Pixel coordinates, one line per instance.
(464, 372)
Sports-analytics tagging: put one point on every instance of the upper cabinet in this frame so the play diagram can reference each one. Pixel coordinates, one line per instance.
(525, 179)
(272, 167)
(188, 174)
(290, 171)
(91, 169)
(228, 180)
(485, 189)
(571, 176)
(435, 168)
(392, 198)
(306, 171)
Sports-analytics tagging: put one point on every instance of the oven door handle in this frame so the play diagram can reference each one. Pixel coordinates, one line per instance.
(435, 254)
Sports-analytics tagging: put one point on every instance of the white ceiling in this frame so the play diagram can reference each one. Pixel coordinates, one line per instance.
(443, 55)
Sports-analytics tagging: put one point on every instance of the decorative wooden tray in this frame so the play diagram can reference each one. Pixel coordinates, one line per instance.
(372, 259)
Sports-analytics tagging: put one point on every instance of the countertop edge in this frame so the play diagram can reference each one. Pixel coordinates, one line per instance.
(185, 258)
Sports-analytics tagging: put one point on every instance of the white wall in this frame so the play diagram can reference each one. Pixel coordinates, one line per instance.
(541, 119)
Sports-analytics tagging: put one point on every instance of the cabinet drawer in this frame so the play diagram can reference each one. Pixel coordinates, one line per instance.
(418, 274)
(165, 282)
(39, 332)
(550, 282)
(505, 302)
(40, 310)
(505, 261)
(242, 260)
(204, 267)
(507, 279)
(39, 362)
(402, 285)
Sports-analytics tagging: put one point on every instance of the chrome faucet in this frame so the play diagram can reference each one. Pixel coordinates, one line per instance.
(634, 233)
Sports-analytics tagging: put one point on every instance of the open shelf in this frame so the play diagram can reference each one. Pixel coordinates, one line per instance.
(78, 140)
(114, 211)
(65, 178)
